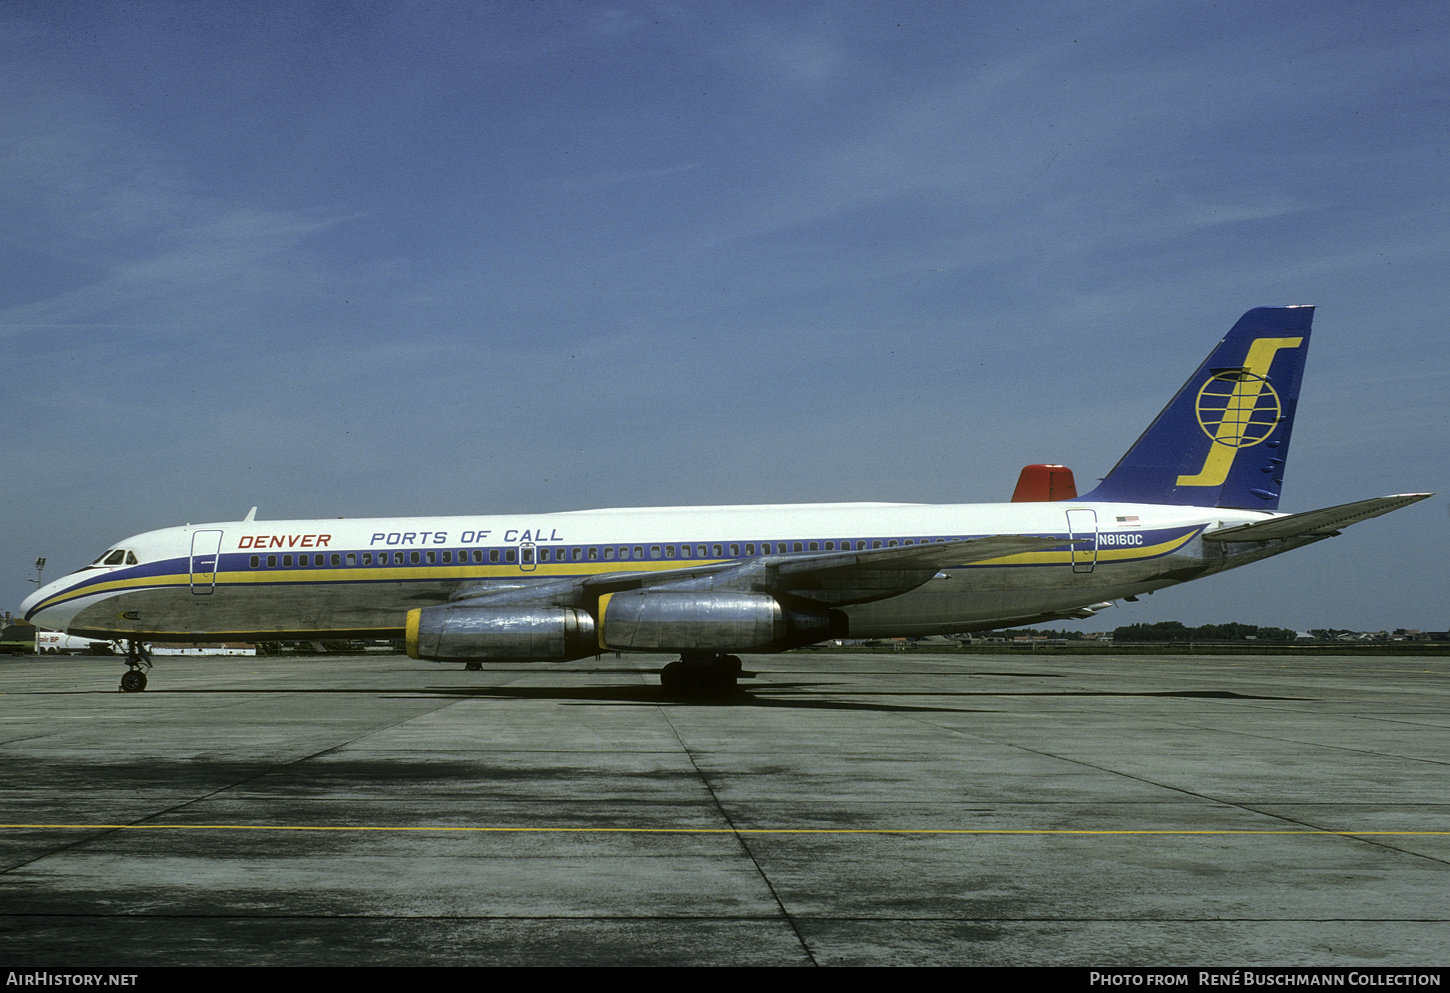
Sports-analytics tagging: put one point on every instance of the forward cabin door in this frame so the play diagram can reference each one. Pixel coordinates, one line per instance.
(1083, 524)
(206, 548)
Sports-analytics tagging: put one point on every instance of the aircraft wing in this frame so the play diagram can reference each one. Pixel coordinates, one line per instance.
(936, 555)
(835, 577)
(1316, 523)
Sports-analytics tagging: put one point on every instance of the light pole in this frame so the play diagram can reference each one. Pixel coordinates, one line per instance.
(39, 572)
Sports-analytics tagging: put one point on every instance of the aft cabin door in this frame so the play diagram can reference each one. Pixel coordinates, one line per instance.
(1083, 524)
(206, 546)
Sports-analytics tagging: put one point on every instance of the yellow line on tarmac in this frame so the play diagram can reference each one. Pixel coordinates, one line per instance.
(633, 830)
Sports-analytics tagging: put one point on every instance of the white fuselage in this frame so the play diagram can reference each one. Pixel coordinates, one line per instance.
(274, 580)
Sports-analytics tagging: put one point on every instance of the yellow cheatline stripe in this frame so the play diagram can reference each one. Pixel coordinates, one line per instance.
(358, 574)
(376, 574)
(1105, 554)
(630, 830)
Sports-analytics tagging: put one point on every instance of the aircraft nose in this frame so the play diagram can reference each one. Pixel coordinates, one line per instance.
(44, 617)
(29, 602)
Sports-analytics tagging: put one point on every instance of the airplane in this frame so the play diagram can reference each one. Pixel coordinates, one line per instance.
(1196, 494)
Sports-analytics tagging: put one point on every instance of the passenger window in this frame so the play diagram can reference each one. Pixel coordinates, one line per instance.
(797, 546)
(478, 556)
(336, 558)
(734, 550)
(352, 558)
(493, 554)
(593, 554)
(624, 551)
(684, 551)
(718, 551)
(256, 560)
(750, 548)
(815, 546)
(609, 553)
(576, 554)
(639, 551)
(432, 558)
(286, 561)
(876, 543)
(271, 561)
(669, 551)
(511, 554)
(413, 558)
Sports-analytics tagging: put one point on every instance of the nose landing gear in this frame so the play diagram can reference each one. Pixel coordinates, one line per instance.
(138, 660)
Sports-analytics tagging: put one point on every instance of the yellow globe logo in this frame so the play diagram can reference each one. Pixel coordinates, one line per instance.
(1238, 409)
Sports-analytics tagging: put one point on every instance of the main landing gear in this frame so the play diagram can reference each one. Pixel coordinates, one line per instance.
(702, 676)
(138, 660)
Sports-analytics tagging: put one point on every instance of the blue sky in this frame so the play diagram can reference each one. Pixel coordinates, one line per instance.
(351, 259)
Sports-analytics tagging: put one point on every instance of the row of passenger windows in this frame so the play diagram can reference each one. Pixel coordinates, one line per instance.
(607, 553)
(573, 553)
(306, 560)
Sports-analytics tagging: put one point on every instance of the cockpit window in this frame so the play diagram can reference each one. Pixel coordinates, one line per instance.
(131, 558)
(117, 557)
(100, 559)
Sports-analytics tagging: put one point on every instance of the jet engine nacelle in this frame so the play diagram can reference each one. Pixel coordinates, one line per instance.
(710, 622)
(460, 632)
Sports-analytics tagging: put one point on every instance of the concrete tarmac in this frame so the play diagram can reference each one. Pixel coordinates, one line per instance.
(845, 809)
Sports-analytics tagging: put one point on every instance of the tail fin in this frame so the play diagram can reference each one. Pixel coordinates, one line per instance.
(1222, 441)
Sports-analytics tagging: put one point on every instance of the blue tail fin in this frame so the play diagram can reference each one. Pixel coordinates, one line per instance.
(1223, 440)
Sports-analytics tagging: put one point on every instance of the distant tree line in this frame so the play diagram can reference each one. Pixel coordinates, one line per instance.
(1176, 631)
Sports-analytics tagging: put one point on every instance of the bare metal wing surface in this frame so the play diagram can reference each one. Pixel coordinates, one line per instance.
(841, 577)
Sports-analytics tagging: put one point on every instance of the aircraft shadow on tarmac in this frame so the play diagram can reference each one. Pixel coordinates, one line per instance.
(653, 696)
(794, 696)
(803, 695)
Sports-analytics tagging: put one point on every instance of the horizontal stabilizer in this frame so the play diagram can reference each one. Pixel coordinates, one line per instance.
(1319, 523)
